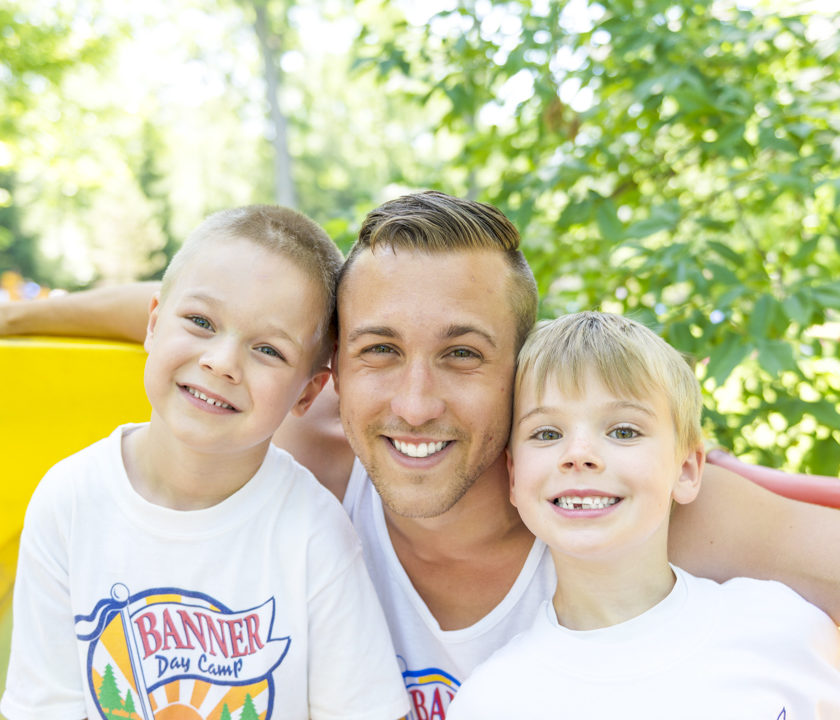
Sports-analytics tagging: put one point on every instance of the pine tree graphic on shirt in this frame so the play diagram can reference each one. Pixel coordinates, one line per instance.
(129, 705)
(249, 712)
(109, 693)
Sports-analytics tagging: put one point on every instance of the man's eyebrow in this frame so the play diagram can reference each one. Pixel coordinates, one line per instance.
(378, 330)
(456, 331)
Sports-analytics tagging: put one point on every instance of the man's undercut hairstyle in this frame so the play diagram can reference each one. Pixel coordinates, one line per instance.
(279, 230)
(434, 222)
(630, 359)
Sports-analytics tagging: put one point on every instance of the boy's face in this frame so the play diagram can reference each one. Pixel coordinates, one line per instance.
(231, 348)
(424, 372)
(593, 474)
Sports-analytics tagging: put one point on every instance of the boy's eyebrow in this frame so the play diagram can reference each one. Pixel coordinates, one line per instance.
(615, 405)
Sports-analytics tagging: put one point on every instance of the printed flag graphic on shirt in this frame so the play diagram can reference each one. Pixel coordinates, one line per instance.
(168, 653)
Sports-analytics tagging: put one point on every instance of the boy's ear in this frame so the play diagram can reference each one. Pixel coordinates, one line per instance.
(154, 309)
(688, 483)
(509, 461)
(310, 391)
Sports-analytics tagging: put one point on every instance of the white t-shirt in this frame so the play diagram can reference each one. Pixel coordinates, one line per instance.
(742, 650)
(259, 606)
(434, 661)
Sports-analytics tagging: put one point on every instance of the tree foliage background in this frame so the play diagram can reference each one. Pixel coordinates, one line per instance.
(677, 161)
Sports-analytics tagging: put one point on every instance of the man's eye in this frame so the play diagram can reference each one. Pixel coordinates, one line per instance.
(464, 353)
(624, 433)
(380, 349)
(200, 321)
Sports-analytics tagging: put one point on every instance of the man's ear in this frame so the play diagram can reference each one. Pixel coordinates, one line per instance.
(688, 483)
(154, 309)
(310, 391)
(509, 461)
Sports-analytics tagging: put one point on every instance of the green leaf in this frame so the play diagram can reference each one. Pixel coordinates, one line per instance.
(726, 357)
(608, 222)
(775, 356)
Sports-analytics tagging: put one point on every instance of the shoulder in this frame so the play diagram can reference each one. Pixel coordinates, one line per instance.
(306, 500)
(767, 608)
(83, 472)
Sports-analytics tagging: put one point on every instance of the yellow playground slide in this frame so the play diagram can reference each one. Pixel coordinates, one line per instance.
(57, 396)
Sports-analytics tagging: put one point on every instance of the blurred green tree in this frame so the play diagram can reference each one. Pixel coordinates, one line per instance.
(674, 161)
(37, 50)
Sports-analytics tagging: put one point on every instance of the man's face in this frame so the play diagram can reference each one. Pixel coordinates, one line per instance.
(425, 371)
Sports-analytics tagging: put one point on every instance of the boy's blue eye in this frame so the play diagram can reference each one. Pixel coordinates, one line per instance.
(546, 434)
(624, 433)
(201, 322)
(270, 351)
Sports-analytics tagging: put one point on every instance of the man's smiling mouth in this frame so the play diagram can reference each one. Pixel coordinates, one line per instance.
(418, 450)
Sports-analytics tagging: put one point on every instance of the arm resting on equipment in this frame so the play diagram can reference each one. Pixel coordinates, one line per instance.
(119, 313)
(737, 528)
(819, 489)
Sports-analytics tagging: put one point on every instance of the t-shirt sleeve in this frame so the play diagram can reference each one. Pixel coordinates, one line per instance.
(44, 675)
(353, 671)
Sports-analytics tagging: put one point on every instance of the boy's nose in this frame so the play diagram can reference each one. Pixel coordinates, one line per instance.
(580, 454)
(222, 359)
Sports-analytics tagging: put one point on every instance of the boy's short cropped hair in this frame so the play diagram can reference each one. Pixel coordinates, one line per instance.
(280, 230)
(630, 359)
(435, 222)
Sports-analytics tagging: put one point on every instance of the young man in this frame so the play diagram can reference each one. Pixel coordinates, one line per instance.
(184, 567)
(431, 317)
(606, 436)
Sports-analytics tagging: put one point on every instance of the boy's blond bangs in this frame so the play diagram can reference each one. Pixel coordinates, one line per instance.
(630, 359)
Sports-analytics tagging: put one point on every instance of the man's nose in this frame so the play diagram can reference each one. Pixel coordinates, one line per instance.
(417, 398)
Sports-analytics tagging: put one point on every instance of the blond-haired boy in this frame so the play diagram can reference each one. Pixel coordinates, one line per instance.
(605, 436)
(185, 568)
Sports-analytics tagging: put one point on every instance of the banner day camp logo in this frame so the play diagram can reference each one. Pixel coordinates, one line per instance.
(170, 654)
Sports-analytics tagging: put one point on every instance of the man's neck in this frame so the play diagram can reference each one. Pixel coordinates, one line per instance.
(592, 594)
(462, 563)
(166, 473)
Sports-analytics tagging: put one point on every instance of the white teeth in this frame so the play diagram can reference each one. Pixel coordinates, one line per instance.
(419, 450)
(209, 401)
(575, 502)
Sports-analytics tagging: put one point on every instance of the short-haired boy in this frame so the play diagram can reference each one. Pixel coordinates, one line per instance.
(605, 436)
(185, 568)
